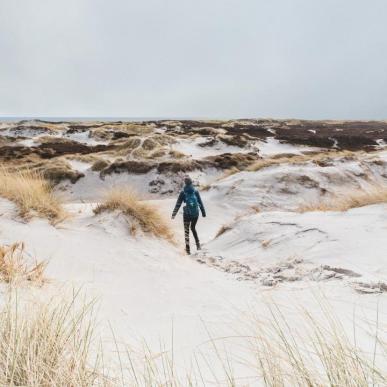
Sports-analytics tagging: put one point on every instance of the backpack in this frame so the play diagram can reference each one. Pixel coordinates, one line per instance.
(191, 203)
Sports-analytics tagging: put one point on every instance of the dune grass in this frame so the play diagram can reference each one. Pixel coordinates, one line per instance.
(228, 227)
(47, 344)
(223, 229)
(54, 343)
(345, 202)
(16, 266)
(31, 193)
(141, 214)
(318, 352)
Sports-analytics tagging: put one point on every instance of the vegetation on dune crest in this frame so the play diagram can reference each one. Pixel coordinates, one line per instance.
(375, 195)
(320, 158)
(31, 193)
(16, 267)
(143, 214)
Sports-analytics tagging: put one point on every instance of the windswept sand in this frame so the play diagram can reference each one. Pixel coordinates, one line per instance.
(148, 289)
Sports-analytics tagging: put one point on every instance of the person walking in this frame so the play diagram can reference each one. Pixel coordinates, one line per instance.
(193, 202)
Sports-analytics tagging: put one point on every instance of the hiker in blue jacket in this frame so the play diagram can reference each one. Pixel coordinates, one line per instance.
(191, 197)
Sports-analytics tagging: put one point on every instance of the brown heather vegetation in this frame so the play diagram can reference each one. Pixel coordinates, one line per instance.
(31, 193)
(146, 216)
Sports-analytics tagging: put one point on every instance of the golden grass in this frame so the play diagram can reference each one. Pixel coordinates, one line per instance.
(157, 152)
(223, 230)
(16, 267)
(54, 170)
(45, 345)
(317, 352)
(314, 351)
(99, 165)
(317, 157)
(266, 243)
(175, 154)
(53, 344)
(140, 153)
(31, 193)
(320, 158)
(375, 195)
(227, 227)
(143, 214)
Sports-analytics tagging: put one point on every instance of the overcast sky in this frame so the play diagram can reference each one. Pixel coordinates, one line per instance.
(194, 58)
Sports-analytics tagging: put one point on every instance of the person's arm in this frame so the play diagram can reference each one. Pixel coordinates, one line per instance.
(201, 206)
(178, 204)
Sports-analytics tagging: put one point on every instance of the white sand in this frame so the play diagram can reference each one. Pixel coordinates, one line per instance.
(145, 286)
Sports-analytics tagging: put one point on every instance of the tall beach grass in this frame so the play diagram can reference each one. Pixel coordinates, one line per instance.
(346, 201)
(141, 214)
(31, 193)
(55, 343)
(17, 267)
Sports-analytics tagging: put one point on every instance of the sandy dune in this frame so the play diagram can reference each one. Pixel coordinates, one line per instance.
(266, 252)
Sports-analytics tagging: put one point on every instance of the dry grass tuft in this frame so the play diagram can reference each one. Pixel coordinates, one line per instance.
(227, 227)
(54, 170)
(266, 243)
(157, 153)
(314, 351)
(318, 352)
(53, 344)
(31, 193)
(16, 267)
(229, 172)
(345, 202)
(223, 230)
(205, 187)
(48, 345)
(99, 165)
(175, 154)
(144, 214)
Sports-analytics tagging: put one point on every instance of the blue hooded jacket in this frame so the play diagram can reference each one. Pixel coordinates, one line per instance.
(188, 189)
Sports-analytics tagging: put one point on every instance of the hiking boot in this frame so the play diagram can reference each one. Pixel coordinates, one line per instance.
(188, 251)
(198, 247)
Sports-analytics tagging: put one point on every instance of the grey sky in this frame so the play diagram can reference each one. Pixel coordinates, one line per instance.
(194, 58)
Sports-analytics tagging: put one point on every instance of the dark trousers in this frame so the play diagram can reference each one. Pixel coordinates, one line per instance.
(190, 222)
